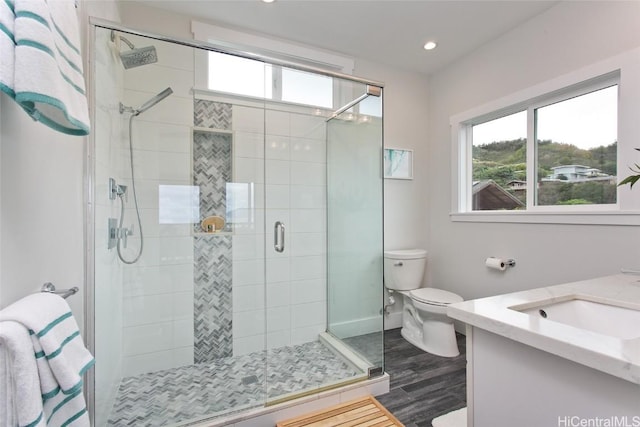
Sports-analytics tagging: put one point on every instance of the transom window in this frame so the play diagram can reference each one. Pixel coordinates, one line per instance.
(248, 77)
(556, 151)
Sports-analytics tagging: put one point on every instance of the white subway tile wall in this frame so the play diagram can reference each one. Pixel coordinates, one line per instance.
(157, 299)
(287, 168)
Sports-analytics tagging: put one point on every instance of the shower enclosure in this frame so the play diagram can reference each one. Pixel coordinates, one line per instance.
(235, 252)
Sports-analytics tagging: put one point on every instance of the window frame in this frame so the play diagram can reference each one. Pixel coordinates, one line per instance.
(277, 49)
(626, 211)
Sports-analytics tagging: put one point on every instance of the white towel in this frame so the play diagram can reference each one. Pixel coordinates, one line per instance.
(19, 378)
(47, 78)
(60, 354)
(7, 47)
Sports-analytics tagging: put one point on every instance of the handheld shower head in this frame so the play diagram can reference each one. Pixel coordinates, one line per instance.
(150, 103)
(153, 101)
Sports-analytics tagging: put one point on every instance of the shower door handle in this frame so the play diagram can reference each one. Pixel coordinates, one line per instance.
(278, 236)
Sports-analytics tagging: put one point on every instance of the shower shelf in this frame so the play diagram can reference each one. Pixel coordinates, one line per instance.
(216, 233)
(211, 130)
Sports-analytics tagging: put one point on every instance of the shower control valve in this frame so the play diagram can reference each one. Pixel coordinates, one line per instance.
(124, 233)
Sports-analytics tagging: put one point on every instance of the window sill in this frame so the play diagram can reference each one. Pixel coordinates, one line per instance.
(579, 218)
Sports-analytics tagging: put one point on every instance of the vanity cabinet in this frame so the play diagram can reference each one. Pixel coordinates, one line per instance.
(514, 384)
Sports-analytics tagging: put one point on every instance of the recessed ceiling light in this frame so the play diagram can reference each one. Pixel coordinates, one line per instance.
(268, 1)
(430, 45)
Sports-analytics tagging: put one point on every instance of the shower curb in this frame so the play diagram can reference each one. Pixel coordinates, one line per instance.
(271, 415)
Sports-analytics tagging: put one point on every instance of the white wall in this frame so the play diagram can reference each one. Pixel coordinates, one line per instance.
(42, 208)
(566, 37)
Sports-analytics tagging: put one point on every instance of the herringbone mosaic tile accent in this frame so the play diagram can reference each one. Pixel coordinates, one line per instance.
(212, 299)
(211, 172)
(209, 114)
(225, 385)
(213, 334)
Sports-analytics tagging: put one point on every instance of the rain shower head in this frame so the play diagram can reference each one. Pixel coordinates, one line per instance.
(150, 103)
(136, 56)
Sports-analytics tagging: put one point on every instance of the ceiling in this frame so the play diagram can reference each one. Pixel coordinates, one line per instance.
(386, 31)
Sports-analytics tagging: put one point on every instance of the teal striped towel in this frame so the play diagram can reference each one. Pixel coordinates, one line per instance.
(60, 355)
(19, 382)
(42, 63)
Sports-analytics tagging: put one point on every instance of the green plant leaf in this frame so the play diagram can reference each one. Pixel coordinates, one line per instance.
(632, 179)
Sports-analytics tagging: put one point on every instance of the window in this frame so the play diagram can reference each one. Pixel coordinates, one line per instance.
(306, 88)
(248, 77)
(576, 147)
(241, 76)
(556, 152)
(499, 156)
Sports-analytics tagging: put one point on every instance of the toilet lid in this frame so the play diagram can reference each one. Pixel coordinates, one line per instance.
(435, 296)
(406, 254)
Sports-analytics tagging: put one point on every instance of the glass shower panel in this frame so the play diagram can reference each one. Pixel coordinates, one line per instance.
(178, 329)
(354, 230)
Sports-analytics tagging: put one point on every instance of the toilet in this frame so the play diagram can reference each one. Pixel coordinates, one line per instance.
(425, 323)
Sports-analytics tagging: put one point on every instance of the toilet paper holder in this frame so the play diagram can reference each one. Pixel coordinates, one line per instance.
(500, 263)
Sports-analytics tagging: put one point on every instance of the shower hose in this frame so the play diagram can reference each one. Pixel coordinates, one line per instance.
(135, 201)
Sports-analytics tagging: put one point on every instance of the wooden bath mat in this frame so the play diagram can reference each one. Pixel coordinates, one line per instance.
(366, 411)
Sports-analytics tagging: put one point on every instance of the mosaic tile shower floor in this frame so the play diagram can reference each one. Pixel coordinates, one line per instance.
(228, 384)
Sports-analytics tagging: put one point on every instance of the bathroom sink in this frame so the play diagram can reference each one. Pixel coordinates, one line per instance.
(576, 311)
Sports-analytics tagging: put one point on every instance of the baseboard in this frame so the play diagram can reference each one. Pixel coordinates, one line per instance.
(393, 320)
(356, 327)
(368, 325)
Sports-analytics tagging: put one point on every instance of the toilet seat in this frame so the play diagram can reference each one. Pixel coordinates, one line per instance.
(435, 296)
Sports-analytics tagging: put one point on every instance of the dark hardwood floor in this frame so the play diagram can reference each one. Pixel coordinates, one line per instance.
(423, 386)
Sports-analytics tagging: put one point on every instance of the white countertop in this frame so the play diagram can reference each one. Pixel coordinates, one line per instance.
(615, 356)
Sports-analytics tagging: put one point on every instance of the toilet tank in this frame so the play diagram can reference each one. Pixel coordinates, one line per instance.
(404, 269)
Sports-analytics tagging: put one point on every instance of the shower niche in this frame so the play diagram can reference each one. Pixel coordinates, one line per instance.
(261, 274)
(212, 149)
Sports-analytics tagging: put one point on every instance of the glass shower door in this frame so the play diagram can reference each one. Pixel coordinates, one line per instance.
(312, 163)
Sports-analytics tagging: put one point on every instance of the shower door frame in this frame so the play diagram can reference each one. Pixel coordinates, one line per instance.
(89, 163)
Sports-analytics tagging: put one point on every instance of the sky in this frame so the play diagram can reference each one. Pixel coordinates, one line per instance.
(586, 121)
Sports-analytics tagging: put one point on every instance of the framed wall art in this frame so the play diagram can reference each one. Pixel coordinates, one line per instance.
(398, 163)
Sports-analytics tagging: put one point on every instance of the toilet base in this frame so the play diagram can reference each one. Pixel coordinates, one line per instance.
(442, 334)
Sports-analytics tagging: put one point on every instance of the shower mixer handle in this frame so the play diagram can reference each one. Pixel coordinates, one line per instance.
(124, 233)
